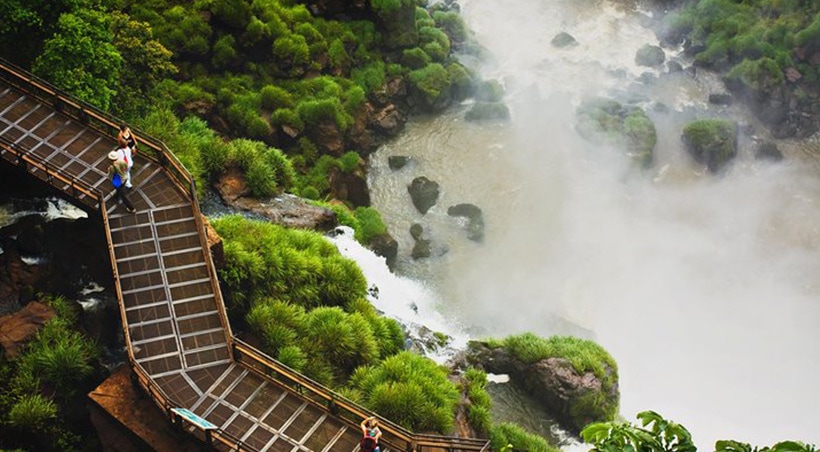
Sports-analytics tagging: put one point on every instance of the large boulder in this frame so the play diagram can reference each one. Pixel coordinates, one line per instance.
(575, 379)
(387, 247)
(488, 111)
(649, 55)
(712, 142)
(626, 128)
(424, 193)
(563, 40)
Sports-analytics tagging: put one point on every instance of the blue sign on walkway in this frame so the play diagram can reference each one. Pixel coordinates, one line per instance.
(194, 419)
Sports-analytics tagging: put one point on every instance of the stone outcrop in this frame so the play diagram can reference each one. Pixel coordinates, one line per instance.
(575, 399)
(424, 193)
(214, 244)
(285, 210)
(563, 40)
(649, 55)
(475, 219)
(712, 142)
(17, 329)
(627, 128)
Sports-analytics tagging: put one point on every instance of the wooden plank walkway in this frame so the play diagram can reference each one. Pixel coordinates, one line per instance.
(179, 341)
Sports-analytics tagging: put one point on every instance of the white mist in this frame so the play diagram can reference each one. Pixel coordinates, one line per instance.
(705, 289)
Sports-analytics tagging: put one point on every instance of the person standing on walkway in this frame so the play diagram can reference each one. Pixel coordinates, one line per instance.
(126, 138)
(371, 434)
(126, 154)
(118, 171)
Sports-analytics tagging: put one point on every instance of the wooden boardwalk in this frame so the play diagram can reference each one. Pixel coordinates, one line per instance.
(180, 345)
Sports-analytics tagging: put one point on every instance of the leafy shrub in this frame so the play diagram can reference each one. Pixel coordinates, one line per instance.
(476, 389)
(315, 112)
(506, 434)
(336, 52)
(267, 170)
(409, 389)
(369, 77)
(300, 267)
(453, 24)
(233, 13)
(32, 412)
(423, 18)
(292, 48)
(711, 141)
(386, 6)
(432, 81)
(415, 58)
(224, 54)
(429, 35)
(369, 224)
(759, 75)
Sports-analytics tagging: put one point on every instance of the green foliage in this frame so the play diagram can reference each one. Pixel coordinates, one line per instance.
(809, 35)
(489, 91)
(783, 446)
(267, 170)
(369, 77)
(759, 75)
(507, 434)
(626, 128)
(369, 224)
(233, 13)
(478, 411)
(432, 81)
(339, 58)
(387, 6)
(410, 390)
(81, 58)
(184, 32)
(32, 412)
(415, 58)
(453, 24)
(293, 49)
(661, 435)
(146, 63)
(435, 43)
(711, 141)
(184, 141)
(300, 267)
(224, 54)
(315, 112)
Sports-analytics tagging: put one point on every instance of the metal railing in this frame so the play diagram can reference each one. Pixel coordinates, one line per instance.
(393, 435)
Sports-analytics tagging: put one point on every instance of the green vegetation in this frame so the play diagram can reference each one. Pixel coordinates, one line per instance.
(303, 300)
(753, 38)
(712, 142)
(42, 383)
(410, 390)
(627, 128)
(508, 436)
(478, 411)
(659, 434)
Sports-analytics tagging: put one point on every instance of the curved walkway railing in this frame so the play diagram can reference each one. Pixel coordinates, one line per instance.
(180, 346)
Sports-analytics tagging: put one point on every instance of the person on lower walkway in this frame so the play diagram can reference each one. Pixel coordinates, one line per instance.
(118, 171)
(127, 155)
(371, 435)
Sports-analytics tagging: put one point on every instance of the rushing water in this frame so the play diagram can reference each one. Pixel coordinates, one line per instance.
(704, 288)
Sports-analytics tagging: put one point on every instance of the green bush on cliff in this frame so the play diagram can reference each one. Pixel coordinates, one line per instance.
(301, 267)
(475, 387)
(387, 6)
(432, 82)
(508, 434)
(267, 170)
(410, 390)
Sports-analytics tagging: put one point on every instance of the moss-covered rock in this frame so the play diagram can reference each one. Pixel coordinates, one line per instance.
(624, 127)
(563, 39)
(575, 378)
(650, 55)
(712, 142)
(488, 111)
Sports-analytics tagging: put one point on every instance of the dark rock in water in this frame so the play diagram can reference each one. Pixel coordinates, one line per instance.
(475, 217)
(424, 193)
(720, 99)
(489, 91)
(416, 230)
(649, 55)
(397, 162)
(349, 186)
(563, 40)
(423, 248)
(488, 111)
(386, 246)
(712, 142)
(768, 151)
(626, 128)
(674, 67)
